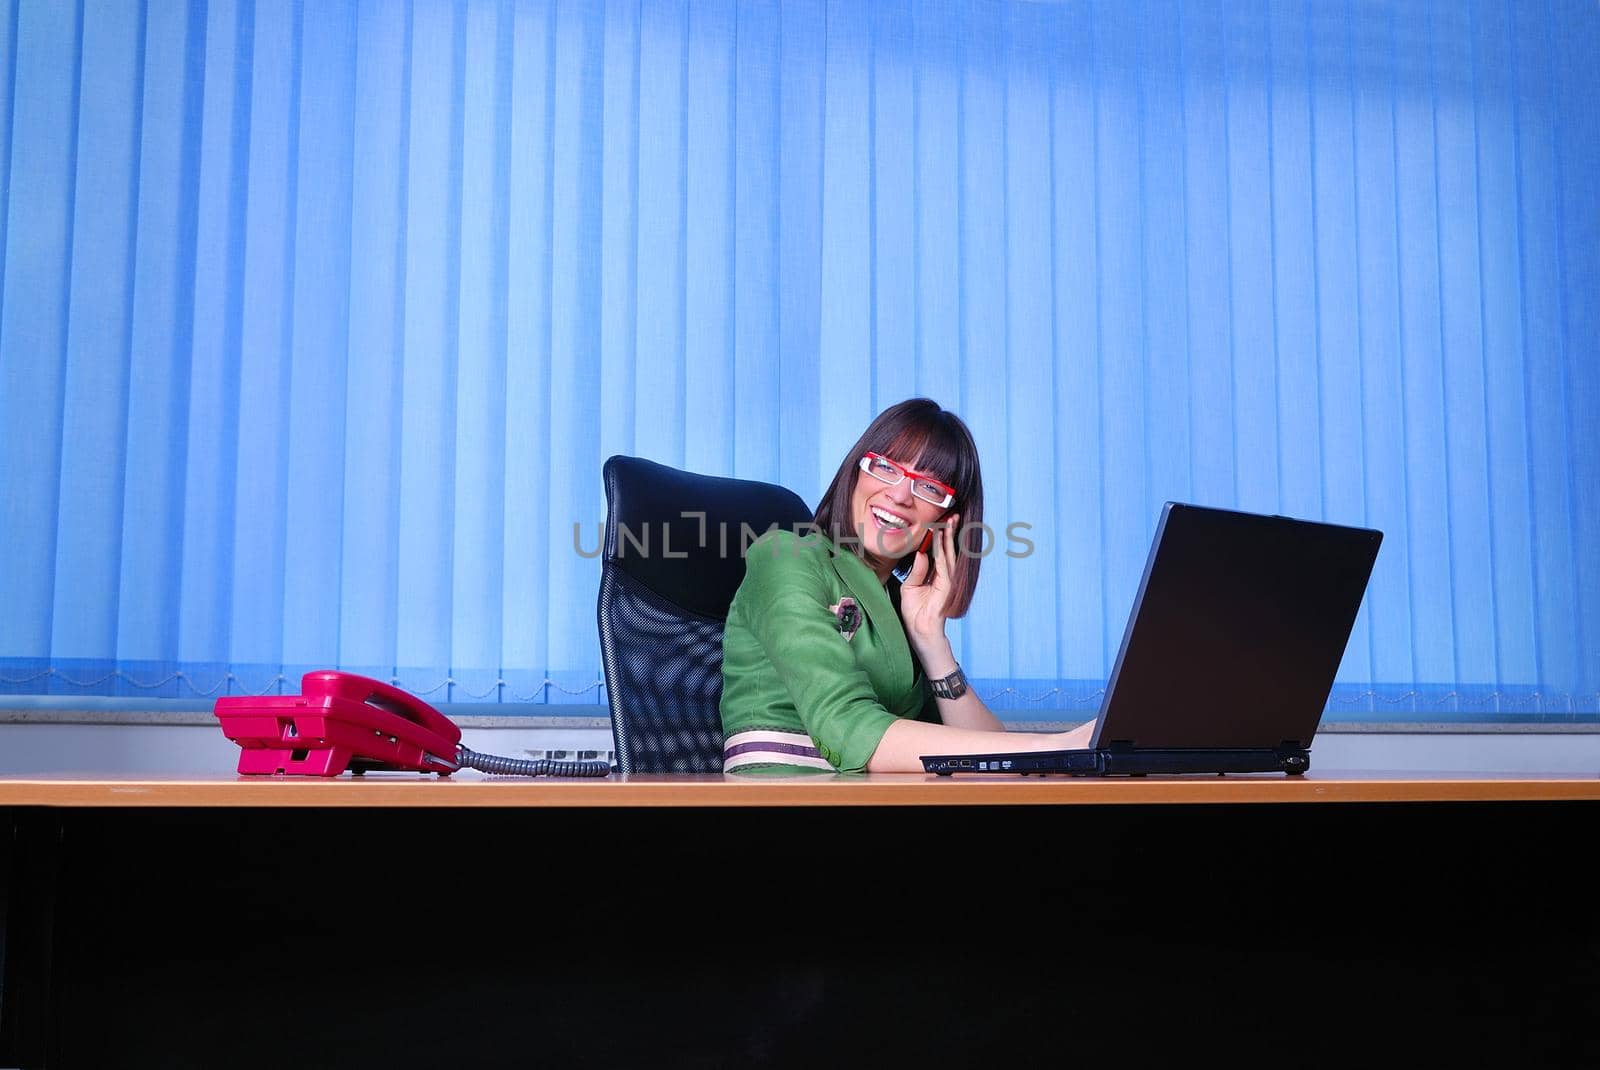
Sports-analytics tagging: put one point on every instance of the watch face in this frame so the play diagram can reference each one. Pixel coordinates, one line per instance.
(952, 686)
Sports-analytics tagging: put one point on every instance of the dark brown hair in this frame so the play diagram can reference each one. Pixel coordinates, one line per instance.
(935, 441)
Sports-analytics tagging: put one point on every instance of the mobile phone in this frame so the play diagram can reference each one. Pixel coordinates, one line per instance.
(902, 571)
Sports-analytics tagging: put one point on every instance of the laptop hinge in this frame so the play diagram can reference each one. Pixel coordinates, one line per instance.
(1288, 746)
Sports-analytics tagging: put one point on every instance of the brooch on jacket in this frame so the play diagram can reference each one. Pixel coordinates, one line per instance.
(847, 616)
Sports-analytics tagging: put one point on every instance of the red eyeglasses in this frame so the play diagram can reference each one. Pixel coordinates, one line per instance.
(925, 487)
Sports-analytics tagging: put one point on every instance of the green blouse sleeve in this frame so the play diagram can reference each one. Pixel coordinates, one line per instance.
(784, 600)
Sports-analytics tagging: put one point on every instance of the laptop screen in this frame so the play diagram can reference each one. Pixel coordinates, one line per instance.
(1237, 631)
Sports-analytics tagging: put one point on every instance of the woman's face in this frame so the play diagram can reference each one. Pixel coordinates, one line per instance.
(890, 519)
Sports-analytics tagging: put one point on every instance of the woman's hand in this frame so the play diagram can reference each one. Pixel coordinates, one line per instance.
(926, 591)
(1078, 738)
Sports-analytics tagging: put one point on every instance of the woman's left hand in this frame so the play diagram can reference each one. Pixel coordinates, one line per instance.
(926, 591)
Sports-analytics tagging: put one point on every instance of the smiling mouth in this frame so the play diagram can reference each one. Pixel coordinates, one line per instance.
(883, 525)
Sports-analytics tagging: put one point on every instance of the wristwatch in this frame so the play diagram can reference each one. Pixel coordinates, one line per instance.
(952, 686)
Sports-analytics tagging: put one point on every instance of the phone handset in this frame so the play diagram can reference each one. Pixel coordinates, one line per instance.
(380, 695)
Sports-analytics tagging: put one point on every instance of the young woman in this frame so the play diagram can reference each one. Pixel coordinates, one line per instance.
(829, 662)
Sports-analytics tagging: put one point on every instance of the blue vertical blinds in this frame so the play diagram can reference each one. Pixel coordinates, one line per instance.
(317, 320)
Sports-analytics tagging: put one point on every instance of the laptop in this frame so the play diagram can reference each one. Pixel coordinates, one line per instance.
(1230, 652)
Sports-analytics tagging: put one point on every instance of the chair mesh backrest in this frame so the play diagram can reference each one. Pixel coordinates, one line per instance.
(661, 615)
(664, 679)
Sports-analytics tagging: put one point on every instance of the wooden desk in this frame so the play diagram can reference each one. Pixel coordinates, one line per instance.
(476, 790)
(739, 921)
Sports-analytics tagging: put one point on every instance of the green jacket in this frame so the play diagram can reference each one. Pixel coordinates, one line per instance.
(797, 695)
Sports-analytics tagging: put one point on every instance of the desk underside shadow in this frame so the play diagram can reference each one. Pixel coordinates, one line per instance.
(779, 936)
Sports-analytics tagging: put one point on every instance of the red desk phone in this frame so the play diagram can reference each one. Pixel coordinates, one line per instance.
(343, 721)
(338, 721)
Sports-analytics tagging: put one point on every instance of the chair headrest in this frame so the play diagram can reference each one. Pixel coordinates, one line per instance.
(645, 503)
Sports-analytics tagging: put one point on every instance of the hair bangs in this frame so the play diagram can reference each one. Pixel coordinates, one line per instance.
(932, 447)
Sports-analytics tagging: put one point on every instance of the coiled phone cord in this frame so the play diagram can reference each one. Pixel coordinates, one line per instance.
(495, 765)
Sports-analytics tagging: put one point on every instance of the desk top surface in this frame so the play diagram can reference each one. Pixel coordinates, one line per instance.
(895, 789)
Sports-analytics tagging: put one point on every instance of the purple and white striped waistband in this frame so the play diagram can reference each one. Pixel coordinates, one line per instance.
(760, 747)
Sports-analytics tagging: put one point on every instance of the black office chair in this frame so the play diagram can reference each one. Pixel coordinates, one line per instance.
(661, 616)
